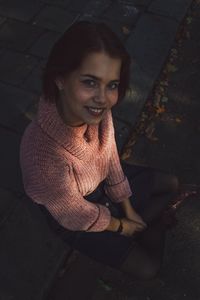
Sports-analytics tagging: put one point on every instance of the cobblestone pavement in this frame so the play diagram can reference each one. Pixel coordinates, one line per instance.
(28, 29)
(177, 150)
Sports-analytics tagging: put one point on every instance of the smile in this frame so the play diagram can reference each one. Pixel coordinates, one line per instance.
(95, 111)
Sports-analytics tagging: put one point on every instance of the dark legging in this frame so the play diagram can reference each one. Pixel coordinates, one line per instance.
(141, 255)
(145, 257)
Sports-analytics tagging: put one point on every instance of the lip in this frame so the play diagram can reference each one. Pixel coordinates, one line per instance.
(99, 111)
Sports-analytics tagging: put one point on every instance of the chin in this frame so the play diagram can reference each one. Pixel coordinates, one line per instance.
(94, 121)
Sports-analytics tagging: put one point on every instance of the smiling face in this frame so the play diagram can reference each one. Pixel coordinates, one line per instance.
(90, 91)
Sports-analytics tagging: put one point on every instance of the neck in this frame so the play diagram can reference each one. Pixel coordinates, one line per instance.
(63, 116)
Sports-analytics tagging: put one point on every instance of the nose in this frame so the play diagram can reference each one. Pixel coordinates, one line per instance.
(100, 97)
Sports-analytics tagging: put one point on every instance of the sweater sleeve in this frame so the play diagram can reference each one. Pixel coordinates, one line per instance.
(117, 186)
(53, 185)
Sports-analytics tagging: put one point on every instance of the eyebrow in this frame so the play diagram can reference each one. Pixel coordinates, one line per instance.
(97, 78)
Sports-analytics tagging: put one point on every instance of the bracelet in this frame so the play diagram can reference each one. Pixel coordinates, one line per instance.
(120, 228)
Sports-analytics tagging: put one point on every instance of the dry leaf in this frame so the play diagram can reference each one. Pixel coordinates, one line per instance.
(160, 109)
(171, 68)
(189, 20)
(150, 131)
(164, 99)
(178, 120)
(157, 99)
(188, 36)
(126, 154)
(125, 30)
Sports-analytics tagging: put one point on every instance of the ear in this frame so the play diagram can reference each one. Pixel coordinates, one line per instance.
(59, 83)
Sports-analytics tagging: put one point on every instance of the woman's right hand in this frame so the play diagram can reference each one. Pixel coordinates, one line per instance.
(131, 227)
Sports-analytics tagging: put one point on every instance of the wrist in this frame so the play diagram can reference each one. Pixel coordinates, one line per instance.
(120, 228)
(114, 224)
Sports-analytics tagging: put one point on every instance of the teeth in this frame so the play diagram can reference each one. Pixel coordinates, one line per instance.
(96, 110)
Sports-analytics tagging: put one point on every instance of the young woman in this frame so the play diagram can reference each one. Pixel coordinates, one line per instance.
(70, 163)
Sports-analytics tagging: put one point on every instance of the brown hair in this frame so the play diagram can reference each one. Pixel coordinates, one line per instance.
(74, 45)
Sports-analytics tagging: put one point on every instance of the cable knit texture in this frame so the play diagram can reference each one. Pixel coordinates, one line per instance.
(61, 164)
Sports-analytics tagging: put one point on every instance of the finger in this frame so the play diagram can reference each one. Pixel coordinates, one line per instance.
(140, 226)
(139, 220)
(144, 225)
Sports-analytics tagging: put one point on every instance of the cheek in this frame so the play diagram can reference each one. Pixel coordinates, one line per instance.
(83, 95)
(113, 97)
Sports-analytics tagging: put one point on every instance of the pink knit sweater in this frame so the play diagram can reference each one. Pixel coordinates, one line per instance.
(62, 164)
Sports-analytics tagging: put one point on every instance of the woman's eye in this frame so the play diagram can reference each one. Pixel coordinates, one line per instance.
(114, 86)
(89, 83)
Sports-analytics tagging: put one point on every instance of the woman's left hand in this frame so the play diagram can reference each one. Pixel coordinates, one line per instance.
(131, 214)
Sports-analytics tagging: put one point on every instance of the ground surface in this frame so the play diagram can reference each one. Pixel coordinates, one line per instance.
(173, 145)
(27, 31)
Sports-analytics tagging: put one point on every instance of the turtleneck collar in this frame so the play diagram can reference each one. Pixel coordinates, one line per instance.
(74, 139)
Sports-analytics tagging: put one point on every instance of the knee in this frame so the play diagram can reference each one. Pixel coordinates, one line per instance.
(165, 183)
(174, 183)
(149, 270)
(141, 266)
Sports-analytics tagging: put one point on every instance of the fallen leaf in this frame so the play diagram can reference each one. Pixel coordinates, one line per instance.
(126, 154)
(104, 285)
(174, 51)
(125, 30)
(164, 99)
(157, 99)
(164, 83)
(188, 36)
(171, 68)
(189, 20)
(160, 110)
(178, 120)
(149, 132)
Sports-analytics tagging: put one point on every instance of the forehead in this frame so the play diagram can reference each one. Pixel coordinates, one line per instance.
(102, 66)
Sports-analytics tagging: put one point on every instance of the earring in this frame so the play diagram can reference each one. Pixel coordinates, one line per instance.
(59, 84)
(60, 87)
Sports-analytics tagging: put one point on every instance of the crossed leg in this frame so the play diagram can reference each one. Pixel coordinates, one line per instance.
(145, 257)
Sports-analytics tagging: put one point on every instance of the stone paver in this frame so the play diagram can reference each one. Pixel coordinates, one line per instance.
(117, 27)
(144, 3)
(10, 173)
(14, 102)
(27, 272)
(59, 3)
(148, 45)
(2, 50)
(165, 8)
(33, 82)
(123, 132)
(96, 8)
(15, 67)
(124, 13)
(54, 18)
(7, 204)
(2, 20)
(140, 85)
(43, 45)
(77, 6)
(17, 35)
(150, 42)
(81, 270)
(196, 9)
(21, 10)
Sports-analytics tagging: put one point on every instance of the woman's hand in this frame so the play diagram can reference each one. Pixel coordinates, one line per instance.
(131, 214)
(130, 227)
